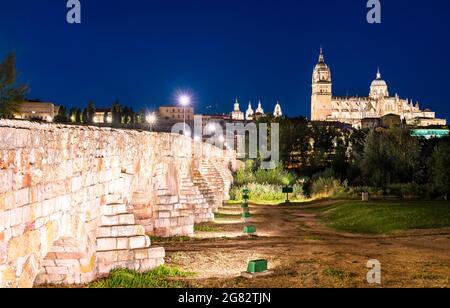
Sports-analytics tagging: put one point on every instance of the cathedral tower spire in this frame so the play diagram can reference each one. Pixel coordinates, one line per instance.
(321, 57)
(321, 90)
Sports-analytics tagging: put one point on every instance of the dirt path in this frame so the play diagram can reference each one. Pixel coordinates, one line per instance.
(304, 253)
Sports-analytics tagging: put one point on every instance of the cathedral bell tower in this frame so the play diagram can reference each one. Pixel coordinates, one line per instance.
(321, 91)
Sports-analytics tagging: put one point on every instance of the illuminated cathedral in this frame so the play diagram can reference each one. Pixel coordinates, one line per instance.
(352, 110)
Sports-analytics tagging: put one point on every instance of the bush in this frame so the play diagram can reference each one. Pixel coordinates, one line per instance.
(266, 192)
(408, 190)
(277, 176)
(330, 188)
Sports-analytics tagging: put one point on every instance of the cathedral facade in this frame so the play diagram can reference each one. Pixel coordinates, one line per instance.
(353, 110)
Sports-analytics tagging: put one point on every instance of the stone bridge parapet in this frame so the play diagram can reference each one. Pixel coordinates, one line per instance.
(78, 201)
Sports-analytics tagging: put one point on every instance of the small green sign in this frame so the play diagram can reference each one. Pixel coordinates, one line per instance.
(257, 266)
(288, 190)
(249, 229)
(246, 215)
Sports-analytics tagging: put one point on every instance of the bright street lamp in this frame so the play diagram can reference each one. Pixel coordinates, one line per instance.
(151, 119)
(184, 101)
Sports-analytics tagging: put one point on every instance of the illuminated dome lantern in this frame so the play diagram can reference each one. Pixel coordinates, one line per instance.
(237, 114)
(378, 88)
(322, 72)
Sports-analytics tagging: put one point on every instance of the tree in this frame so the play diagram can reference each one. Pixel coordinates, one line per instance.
(439, 166)
(10, 94)
(78, 116)
(125, 115)
(389, 157)
(141, 117)
(90, 113)
(73, 115)
(294, 141)
(84, 116)
(116, 113)
(61, 117)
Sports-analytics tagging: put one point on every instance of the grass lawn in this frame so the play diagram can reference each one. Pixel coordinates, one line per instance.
(378, 217)
(161, 277)
(268, 202)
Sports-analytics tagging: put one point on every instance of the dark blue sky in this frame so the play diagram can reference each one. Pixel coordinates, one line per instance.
(143, 51)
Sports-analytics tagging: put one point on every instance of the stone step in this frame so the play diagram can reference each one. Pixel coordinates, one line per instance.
(130, 254)
(123, 243)
(141, 260)
(167, 199)
(229, 211)
(120, 231)
(113, 209)
(115, 220)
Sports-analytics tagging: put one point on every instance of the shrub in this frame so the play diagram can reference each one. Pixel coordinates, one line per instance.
(405, 190)
(330, 188)
(266, 192)
(277, 176)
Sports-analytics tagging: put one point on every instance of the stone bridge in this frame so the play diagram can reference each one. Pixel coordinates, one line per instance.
(76, 202)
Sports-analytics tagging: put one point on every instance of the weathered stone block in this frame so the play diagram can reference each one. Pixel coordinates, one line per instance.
(138, 242)
(106, 244)
(23, 245)
(6, 180)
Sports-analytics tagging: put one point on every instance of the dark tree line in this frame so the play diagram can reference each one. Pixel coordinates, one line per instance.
(117, 115)
(378, 158)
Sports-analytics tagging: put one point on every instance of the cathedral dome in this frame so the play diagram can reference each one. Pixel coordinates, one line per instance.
(379, 87)
(379, 82)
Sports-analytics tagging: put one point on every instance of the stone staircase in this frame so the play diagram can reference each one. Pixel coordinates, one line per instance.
(214, 178)
(121, 243)
(67, 263)
(205, 190)
(141, 207)
(227, 178)
(171, 217)
(191, 197)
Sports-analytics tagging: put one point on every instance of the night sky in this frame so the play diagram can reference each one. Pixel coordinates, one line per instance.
(143, 52)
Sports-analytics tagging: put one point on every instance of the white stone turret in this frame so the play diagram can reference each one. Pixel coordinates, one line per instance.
(277, 113)
(249, 114)
(259, 110)
(237, 114)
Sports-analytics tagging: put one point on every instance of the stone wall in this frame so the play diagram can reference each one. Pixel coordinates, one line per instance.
(76, 201)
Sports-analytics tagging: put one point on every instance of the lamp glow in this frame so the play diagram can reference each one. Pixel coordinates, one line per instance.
(184, 100)
(151, 118)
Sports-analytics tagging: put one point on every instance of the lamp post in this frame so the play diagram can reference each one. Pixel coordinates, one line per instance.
(184, 101)
(151, 119)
